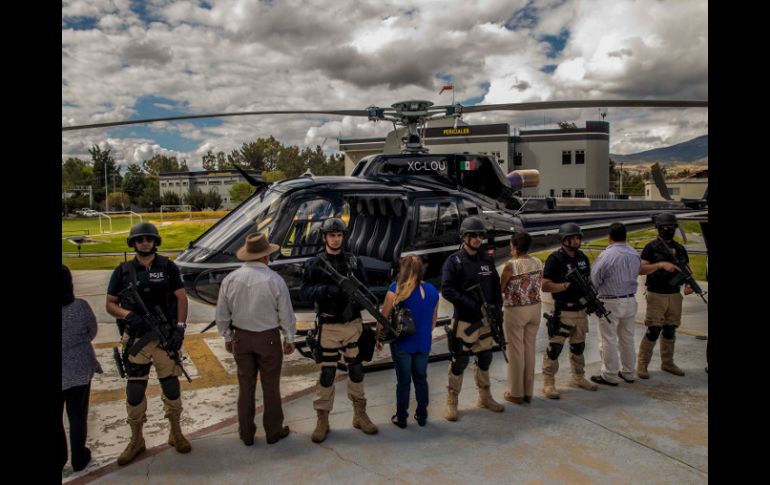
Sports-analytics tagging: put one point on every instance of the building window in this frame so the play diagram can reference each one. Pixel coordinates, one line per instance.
(566, 157)
(673, 190)
(551, 192)
(163, 184)
(566, 192)
(580, 193)
(517, 160)
(580, 157)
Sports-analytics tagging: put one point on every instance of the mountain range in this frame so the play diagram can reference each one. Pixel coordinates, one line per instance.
(695, 150)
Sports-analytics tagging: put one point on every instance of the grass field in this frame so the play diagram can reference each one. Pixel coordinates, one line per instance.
(97, 262)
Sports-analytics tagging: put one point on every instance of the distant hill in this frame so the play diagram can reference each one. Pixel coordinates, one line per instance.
(686, 152)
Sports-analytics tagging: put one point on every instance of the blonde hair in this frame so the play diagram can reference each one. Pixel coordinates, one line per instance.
(410, 274)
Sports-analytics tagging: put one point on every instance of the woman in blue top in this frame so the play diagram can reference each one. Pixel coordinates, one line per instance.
(410, 354)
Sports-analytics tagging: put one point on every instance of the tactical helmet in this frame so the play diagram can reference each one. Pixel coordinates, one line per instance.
(665, 219)
(569, 229)
(472, 224)
(143, 229)
(334, 224)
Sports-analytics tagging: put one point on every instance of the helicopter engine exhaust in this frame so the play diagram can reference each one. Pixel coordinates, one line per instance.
(520, 179)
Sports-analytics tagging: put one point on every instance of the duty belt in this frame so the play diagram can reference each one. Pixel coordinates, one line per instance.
(570, 307)
(620, 296)
(333, 320)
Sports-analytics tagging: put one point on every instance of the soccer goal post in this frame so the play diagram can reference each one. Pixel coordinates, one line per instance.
(176, 208)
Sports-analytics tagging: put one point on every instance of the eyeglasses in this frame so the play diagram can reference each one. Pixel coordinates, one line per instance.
(475, 234)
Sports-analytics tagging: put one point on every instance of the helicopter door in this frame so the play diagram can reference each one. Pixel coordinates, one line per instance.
(304, 235)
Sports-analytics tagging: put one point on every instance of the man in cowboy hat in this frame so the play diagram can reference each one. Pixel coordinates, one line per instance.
(253, 305)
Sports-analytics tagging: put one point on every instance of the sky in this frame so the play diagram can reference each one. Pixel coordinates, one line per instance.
(131, 59)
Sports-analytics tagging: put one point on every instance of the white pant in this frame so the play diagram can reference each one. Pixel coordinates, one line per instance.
(617, 338)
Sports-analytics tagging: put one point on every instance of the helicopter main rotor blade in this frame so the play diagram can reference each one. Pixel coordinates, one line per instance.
(348, 112)
(591, 103)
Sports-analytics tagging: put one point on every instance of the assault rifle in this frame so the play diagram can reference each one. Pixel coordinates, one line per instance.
(353, 288)
(590, 297)
(154, 320)
(490, 316)
(684, 275)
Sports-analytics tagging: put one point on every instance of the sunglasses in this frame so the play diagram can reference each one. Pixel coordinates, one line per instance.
(144, 239)
(474, 234)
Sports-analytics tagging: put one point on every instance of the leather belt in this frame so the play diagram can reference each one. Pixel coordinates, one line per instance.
(614, 297)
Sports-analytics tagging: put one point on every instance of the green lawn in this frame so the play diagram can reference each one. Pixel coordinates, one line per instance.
(97, 262)
(175, 236)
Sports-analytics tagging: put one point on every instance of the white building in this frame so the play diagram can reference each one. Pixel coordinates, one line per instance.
(181, 183)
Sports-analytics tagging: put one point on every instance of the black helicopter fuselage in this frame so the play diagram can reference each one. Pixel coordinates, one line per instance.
(392, 207)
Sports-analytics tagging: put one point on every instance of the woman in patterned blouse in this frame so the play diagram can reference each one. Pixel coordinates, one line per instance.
(520, 283)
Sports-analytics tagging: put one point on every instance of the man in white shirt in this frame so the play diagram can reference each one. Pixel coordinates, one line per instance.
(253, 309)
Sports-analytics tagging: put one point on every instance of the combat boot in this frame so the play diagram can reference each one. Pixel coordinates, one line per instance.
(581, 382)
(485, 399)
(175, 436)
(361, 419)
(136, 419)
(454, 385)
(667, 357)
(643, 358)
(321, 427)
(549, 387)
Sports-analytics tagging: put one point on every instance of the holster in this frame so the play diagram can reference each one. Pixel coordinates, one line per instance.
(552, 323)
(454, 344)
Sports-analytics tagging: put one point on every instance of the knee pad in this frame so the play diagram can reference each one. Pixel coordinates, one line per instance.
(356, 372)
(577, 349)
(459, 364)
(669, 331)
(652, 333)
(484, 359)
(135, 392)
(137, 370)
(170, 386)
(327, 375)
(554, 350)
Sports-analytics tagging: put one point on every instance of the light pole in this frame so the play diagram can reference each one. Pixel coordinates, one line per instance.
(106, 189)
(621, 178)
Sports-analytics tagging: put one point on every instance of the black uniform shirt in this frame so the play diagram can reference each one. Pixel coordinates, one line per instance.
(558, 264)
(654, 252)
(156, 286)
(316, 283)
(461, 271)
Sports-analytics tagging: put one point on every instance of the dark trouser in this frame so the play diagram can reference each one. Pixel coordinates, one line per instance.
(411, 367)
(259, 352)
(76, 400)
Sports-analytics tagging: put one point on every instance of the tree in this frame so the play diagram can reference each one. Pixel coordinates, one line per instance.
(273, 176)
(209, 161)
(241, 191)
(134, 182)
(222, 162)
(291, 163)
(213, 200)
(119, 201)
(76, 172)
(162, 164)
(102, 162)
(170, 198)
(196, 199)
(150, 197)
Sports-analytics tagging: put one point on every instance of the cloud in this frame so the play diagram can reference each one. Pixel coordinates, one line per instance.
(243, 55)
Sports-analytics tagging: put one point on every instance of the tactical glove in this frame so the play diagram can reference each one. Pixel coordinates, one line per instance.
(177, 337)
(135, 324)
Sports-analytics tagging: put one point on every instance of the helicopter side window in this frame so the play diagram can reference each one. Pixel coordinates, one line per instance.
(426, 223)
(304, 236)
(448, 223)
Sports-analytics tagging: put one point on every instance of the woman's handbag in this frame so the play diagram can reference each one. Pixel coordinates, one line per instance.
(402, 321)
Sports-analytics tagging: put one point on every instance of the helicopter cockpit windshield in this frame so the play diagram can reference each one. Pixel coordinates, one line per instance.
(261, 210)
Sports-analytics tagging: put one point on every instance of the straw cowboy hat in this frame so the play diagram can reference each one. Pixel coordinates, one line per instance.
(256, 247)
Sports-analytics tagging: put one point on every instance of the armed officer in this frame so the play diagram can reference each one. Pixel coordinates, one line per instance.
(569, 312)
(462, 270)
(664, 301)
(339, 326)
(159, 284)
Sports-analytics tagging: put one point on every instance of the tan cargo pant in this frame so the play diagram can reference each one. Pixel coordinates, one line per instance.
(663, 309)
(338, 336)
(152, 353)
(475, 344)
(576, 324)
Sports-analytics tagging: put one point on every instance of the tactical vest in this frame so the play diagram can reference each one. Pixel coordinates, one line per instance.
(570, 295)
(154, 288)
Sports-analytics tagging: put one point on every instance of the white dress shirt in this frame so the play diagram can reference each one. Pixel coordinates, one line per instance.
(255, 298)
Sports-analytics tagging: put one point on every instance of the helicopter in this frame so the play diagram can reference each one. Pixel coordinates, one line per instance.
(395, 204)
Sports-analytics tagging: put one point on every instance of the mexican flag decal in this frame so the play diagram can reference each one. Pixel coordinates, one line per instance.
(468, 165)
